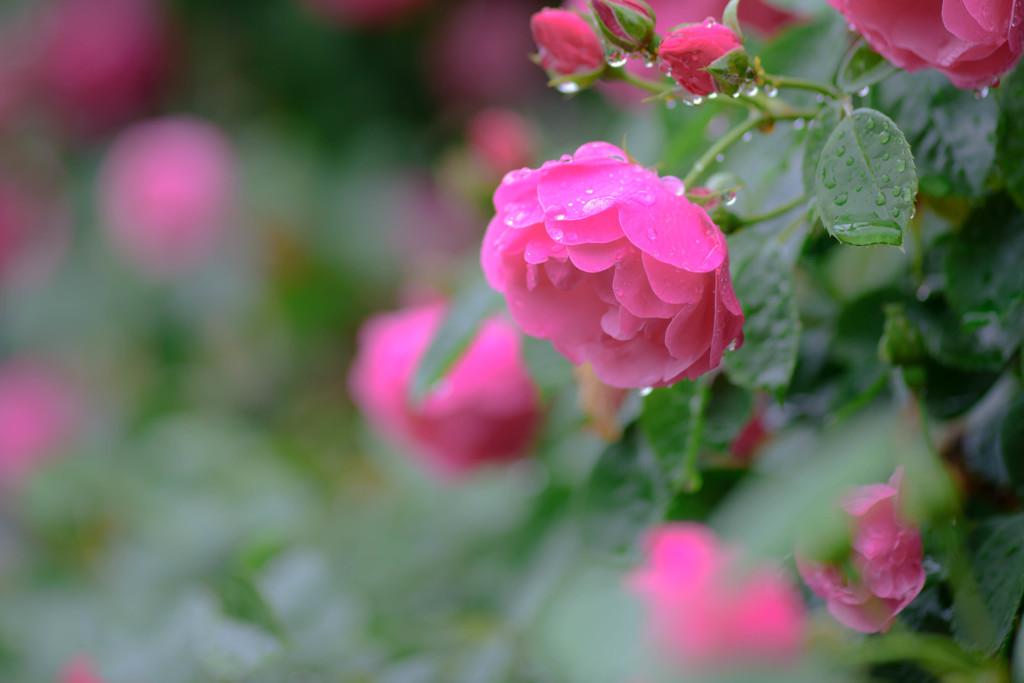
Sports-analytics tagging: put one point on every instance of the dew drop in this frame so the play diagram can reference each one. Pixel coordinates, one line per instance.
(841, 151)
(885, 178)
(565, 158)
(896, 191)
(863, 92)
(923, 292)
(616, 58)
(880, 199)
(870, 125)
(770, 90)
(981, 93)
(646, 391)
(841, 198)
(885, 157)
(557, 234)
(694, 101)
(748, 136)
(799, 124)
(749, 88)
(649, 64)
(670, 104)
(884, 137)
(720, 158)
(729, 198)
(849, 161)
(645, 198)
(567, 87)
(900, 166)
(673, 185)
(555, 211)
(652, 234)
(731, 346)
(828, 177)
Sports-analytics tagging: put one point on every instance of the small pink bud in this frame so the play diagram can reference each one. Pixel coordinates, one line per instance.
(501, 140)
(629, 24)
(886, 553)
(568, 44)
(166, 191)
(79, 670)
(685, 52)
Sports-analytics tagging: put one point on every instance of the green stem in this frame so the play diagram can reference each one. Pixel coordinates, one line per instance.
(776, 212)
(937, 653)
(691, 481)
(617, 73)
(801, 84)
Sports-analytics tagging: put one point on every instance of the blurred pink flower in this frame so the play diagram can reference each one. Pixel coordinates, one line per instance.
(39, 413)
(427, 225)
(483, 411)
(478, 54)
(365, 13)
(102, 61)
(34, 232)
(886, 553)
(167, 192)
(615, 266)
(501, 140)
(79, 670)
(706, 611)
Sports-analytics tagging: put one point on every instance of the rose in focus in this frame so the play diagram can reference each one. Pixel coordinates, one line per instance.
(706, 611)
(973, 42)
(685, 52)
(167, 192)
(484, 410)
(886, 553)
(615, 266)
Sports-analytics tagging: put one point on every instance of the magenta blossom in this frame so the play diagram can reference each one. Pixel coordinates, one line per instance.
(39, 413)
(886, 555)
(483, 411)
(167, 193)
(705, 611)
(501, 140)
(615, 266)
(973, 42)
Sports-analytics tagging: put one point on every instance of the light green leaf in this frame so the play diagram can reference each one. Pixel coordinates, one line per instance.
(861, 68)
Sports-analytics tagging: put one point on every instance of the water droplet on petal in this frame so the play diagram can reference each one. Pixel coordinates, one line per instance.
(555, 211)
(652, 233)
(673, 185)
(646, 391)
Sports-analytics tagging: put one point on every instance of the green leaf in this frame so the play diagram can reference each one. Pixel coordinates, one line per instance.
(983, 266)
(764, 287)
(818, 133)
(730, 18)
(1011, 442)
(862, 67)
(626, 494)
(1010, 133)
(467, 311)
(667, 420)
(984, 608)
(241, 600)
(866, 181)
(951, 132)
(980, 344)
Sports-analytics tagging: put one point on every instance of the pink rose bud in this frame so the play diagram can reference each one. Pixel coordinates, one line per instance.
(615, 266)
(79, 670)
(567, 43)
(685, 52)
(365, 13)
(707, 611)
(501, 140)
(39, 414)
(102, 60)
(973, 42)
(484, 410)
(628, 24)
(167, 192)
(885, 552)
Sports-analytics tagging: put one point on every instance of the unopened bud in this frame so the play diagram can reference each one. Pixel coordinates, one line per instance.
(567, 44)
(628, 24)
(687, 52)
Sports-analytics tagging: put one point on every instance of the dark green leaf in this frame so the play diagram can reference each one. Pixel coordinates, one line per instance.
(716, 484)
(866, 182)
(1011, 441)
(241, 600)
(950, 391)
(626, 494)
(818, 133)
(951, 132)
(1010, 133)
(460, 324)
(764, 287)
(974, 344)
(984, 607)
(861, 68)
(983, 266)
(667, 420)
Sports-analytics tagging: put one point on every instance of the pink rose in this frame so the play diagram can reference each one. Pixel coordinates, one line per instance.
(39, 413)
(501, 140)
(483, 411)
(973, 42)
(166, 192)
(102, 60)
(615, 266)
(567, 43)
(706, 611)
(686, 51)
(79, 670)
(365, 13)
(886, 554)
